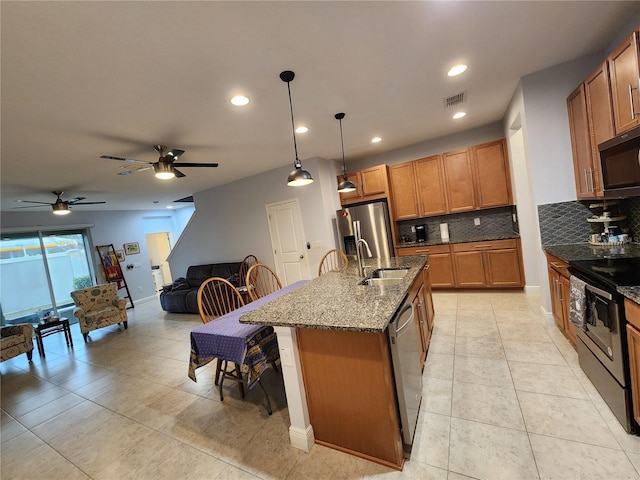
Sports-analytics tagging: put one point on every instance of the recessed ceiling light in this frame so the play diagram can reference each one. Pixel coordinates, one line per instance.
(459, 115)
(302, 129)
(376, 140)
(457, 70)
(239, 100)
(169, 206)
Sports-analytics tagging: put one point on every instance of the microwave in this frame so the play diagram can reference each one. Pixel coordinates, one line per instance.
(620, 165)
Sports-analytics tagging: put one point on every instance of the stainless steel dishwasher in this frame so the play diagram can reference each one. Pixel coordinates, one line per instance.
(405, 343)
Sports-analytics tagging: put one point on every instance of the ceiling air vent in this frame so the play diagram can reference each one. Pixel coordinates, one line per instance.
(454, 100)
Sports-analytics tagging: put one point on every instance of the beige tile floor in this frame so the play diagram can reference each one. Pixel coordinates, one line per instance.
(504, 397)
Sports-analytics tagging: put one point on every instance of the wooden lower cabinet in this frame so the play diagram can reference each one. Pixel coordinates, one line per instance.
(348, 378)
(632, 311)
(560, 291)
(495, 264)
(440, 263)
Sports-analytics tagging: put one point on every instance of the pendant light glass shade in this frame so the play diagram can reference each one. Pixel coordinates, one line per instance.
(61, 208)
(163, 171)
(298, 176)
(346, 185)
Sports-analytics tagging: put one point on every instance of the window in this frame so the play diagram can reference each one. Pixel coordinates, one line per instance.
(38, 271)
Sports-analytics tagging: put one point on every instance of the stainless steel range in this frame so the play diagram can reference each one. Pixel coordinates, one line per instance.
(602, 345)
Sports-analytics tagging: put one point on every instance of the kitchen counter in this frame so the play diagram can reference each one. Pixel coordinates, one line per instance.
(464, 239)
(335, 301)
(585, 251)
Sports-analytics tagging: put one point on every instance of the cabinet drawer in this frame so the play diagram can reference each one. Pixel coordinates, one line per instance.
(558, 265)
(490, 245)
(426, 250)
(632, 311)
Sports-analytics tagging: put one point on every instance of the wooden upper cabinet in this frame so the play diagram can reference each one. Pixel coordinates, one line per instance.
(624, 73)
(581, 143)
(459, 180)
(432, 199)
(600, 117)
(371, 184)
(493, 184)
(403, 191)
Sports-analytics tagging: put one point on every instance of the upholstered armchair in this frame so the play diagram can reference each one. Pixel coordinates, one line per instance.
(16, 339)
(98, 307)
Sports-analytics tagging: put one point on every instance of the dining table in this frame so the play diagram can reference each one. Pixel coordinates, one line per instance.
(251, 347)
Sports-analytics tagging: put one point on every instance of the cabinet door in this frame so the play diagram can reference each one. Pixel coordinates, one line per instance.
(459, 181)
(403, 191)
(355, 178)
(503, 268)
(469, 268)
(580, 143)
(441, 270)
(430, 183)
(624, 72)
(633, 338)
(374, 180)
(599, 116)
(556, 304)
(565, 299)
(493, 182)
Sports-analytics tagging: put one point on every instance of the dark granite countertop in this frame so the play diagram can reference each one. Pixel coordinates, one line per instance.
(585, 251)
(335, 301)
(465, 239)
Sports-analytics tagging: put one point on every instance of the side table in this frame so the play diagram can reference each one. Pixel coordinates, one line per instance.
(49, 328)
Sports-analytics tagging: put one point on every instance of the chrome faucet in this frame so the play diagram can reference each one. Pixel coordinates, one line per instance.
(359, 240)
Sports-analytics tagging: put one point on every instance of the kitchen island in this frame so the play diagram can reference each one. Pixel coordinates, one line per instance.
(336, 358)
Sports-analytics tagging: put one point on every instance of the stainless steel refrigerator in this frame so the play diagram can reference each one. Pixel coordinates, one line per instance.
(375, 227)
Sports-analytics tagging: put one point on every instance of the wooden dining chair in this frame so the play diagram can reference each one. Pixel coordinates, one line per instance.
(244, 267)
(217, 297)
(333, 261)
(261, 281)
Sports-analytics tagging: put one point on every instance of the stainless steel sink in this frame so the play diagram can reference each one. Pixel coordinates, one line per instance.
(389, 273)
(381, 281)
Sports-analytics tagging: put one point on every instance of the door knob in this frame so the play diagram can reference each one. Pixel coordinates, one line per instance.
(301, 256)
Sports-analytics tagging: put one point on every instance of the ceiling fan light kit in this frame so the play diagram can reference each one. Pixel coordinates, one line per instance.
(298, 176)
(163, 171)
(60, 208)
(346, 185)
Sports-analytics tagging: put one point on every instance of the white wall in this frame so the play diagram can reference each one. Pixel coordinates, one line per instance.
(116, 227)
(231, 220)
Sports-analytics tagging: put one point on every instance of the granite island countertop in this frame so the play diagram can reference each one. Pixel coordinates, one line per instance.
(585, 251)
(335, 301)
(463, 239)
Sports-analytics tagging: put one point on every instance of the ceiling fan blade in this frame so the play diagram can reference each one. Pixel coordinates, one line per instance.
(73, 200)
(134, 170)
(32, 206)
(195, 164)
(87, 203)
(122, 159)
(178, 173)
(32, 201)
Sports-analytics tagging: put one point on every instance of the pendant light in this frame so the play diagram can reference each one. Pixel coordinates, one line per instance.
(298, 176)
(345, 185)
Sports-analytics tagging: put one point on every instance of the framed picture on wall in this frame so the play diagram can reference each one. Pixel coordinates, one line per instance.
(120, 255)
(131, 248)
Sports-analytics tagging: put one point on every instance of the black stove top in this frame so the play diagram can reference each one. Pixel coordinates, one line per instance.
(615, 272)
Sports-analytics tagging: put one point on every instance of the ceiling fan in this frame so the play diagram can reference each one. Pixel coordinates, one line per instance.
(164, 168)
(60, 207)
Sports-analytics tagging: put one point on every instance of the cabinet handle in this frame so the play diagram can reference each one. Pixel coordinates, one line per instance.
(631, 89)
(557, 265)
(586, 184)
(590, 180)
(422, 251)
(486, 245)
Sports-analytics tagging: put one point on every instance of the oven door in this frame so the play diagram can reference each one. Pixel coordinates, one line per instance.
(603, 330)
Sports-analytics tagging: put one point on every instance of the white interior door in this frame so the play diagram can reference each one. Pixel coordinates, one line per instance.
(287, 241)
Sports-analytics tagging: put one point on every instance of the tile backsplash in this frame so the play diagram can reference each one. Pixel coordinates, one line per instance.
(493, 222)
(566, 222)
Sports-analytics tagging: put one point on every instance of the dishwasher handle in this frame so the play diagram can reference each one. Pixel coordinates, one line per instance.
(409, 320)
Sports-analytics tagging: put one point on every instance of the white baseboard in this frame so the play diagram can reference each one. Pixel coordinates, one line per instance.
(547, 315)
(532, 290)
(302, 439)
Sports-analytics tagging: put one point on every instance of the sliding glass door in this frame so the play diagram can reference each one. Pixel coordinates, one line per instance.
(38, 271)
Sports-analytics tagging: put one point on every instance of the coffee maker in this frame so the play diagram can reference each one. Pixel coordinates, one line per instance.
(421, 233)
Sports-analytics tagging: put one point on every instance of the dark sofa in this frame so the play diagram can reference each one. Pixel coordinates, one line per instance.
(182, 295)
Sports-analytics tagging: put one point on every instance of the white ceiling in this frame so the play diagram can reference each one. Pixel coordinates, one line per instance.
(83, 79)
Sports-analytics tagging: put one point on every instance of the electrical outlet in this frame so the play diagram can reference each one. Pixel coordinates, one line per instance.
(476, 221)
(285, 357)
(413, 228)
(515, 218)
(139, 289)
